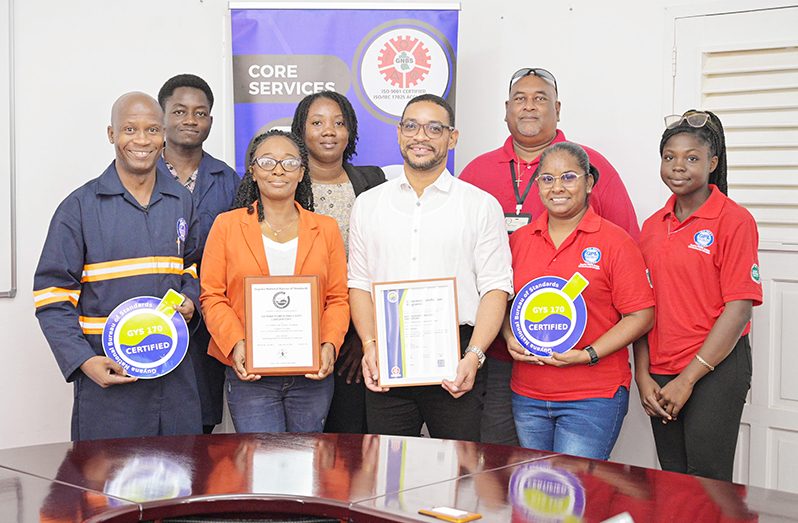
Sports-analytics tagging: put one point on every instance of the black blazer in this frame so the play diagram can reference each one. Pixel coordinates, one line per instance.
(364, 177)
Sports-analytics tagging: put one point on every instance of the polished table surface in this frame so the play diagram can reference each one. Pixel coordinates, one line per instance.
(353, 477)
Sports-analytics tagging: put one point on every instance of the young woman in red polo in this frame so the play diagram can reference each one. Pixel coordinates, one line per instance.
(693, 369)
(581, 298)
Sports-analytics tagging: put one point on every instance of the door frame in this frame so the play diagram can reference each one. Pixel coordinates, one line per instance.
(707, 8)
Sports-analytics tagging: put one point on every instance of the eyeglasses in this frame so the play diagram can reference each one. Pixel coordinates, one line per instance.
(533, 71)
(568, 179)
(695, 119)
(268, 164)
(410, 128)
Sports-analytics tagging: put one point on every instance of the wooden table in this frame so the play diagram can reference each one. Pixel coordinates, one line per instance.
(352, 477)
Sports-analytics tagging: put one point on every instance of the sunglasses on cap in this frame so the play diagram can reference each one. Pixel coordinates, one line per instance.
(695, 119)
(533, 71)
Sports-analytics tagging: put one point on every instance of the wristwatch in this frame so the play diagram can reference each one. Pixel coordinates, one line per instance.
(593, 356)
(478, 353)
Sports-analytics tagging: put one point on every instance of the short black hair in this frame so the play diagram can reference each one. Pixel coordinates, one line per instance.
(710, 133)
(350, 118)
(184, 80)
(434, 98)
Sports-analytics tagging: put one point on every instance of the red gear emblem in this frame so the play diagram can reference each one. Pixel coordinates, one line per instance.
(404, 61)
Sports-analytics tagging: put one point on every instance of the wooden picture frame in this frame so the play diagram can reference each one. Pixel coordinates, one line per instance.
(282, 325)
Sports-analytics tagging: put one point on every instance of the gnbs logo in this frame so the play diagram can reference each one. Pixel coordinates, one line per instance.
(702, 240)
(281, 300)
(591, 256)
(398, 61)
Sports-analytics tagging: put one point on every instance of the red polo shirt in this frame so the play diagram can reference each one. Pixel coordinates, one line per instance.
(696, 267)
(491, 173)
(617, 285)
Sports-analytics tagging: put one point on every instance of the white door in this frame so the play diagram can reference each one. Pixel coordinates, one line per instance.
(744, 67)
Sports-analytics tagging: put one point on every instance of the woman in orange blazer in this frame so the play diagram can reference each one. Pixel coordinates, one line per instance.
(272, 231)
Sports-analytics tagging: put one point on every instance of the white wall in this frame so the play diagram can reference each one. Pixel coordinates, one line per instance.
(74, 58)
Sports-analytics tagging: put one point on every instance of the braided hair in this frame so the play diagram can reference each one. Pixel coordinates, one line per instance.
(711, 133)
(248, 192)
(350, 118)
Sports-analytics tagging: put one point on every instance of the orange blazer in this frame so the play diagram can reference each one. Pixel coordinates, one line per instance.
(234, 250)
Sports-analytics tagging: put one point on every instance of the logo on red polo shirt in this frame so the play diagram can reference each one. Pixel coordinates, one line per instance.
(591, 256)
(549, 314)
(755, 274)
(701, 240)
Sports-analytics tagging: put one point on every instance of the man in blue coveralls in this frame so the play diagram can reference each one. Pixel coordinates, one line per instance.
(131, 232)
(187, 101)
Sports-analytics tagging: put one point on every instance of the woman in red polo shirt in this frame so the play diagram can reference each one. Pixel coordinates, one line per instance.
(581, 297)
(694, 367)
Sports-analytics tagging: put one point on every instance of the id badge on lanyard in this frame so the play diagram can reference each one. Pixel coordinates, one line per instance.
(513, 222)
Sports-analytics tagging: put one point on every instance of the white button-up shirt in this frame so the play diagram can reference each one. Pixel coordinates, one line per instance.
(453, 230)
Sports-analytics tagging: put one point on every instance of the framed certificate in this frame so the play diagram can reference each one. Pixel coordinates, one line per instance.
(418, 334)
(282, 316)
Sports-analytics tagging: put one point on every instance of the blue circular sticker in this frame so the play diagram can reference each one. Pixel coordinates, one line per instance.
(704, 238)
(543, 493)
(147, 339)
(549, 314)
(591, 255)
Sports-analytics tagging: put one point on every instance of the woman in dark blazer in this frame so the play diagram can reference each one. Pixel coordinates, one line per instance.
(327, 123)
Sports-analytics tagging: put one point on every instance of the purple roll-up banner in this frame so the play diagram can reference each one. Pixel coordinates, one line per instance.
(380, 58)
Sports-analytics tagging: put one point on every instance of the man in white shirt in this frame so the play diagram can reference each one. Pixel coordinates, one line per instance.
(428, 224)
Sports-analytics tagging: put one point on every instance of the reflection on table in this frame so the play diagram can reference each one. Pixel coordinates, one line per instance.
(355, 477)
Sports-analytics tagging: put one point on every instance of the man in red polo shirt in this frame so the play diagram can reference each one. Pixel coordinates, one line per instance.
(531, 112)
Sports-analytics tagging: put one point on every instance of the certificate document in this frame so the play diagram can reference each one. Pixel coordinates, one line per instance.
(282, 325)
(418, 334)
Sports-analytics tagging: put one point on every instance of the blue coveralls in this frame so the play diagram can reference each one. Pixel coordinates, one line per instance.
(103, 248)
(213, 193)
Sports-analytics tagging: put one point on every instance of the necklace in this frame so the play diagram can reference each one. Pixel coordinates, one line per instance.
(275, 232)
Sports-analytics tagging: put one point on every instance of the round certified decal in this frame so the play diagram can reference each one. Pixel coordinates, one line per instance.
(542, 493)
(549, 314)
(146, 336)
